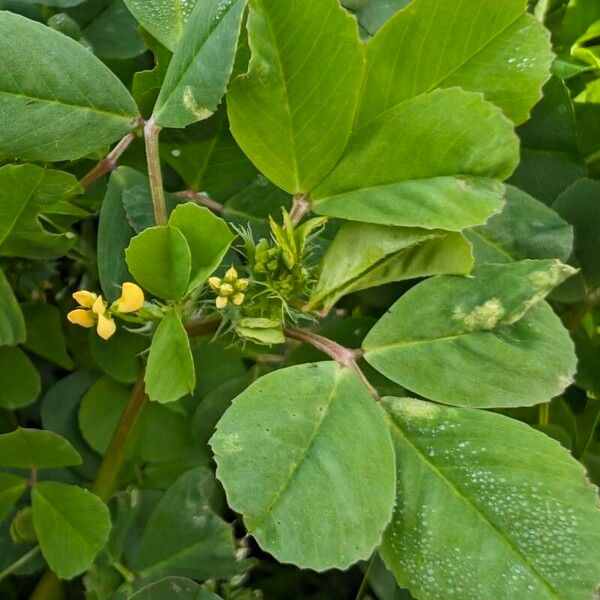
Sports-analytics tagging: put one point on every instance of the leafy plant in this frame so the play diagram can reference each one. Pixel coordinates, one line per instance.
(323, 322)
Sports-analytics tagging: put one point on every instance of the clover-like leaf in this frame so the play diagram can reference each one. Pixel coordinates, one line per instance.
(484, 341)
(57, 100)
(36, 449)
(485, 46)
(434, 161)
(65, 516)
(487, 507)
(295, 453)
(292, 113)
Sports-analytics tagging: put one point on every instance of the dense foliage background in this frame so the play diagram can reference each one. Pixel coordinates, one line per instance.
(374, 225)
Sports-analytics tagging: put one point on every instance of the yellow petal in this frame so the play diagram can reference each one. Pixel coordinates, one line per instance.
(226, 289)
(132, 298)
(99, 307)
(221, 302)
(85, 298)
(215, 283)
(238, 299)
(82, 317)
(106, 327)
(241, 284)
(231, 273)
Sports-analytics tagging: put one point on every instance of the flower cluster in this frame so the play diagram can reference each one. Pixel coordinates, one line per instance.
(272, 266)
(229, 288)
(94, 310)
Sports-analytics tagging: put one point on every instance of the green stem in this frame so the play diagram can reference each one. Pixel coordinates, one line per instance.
(347, 357)
(19, 563)
(364, 585)
(151, 133)
(544, 413)
(201, 199)
(108, 163)
(119, 443)
(49, 587)
(301, 205)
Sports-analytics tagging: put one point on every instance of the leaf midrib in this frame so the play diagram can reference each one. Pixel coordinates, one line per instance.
(298, 462)
(469, 176)
(475, 508)
(94, 109)
(174, 558)
(438, 84)
(24, 206)
(157, 113)
(76, 532)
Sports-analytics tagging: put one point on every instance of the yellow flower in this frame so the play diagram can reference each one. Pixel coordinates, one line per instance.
(215, 283)
(85, 298)
(132, 298)
(82, 317)
(231, 275)
(221, 302)
(92, 311)
(229, 288)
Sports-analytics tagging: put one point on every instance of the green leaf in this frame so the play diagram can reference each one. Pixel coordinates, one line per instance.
(465, 341)
(194, 541)
(253, 205)
(485, 46)
(137, 201)
(57, 3)
(578, 16)
(292, 113)
(20, 382)
(579, 205)
(146, 85)
(363, 255)
(525, 228)
(301, 430)
(174, 588)
(372, 14)
(170, 371)
(209, 159)
(213, 405)
(201, 65)
(36, 449)
(11, 488)
(114, 232)
(550, 155)
(159, 259)
(214, 364)
(208, 239)
(57, 100)
(431, 162)
(12, 324)
(119, 356)
(72, 526)
(26, 193)
(487, 508)
(110, 29)
(161, 434)
(59, 414)
(44, 333)
(164, 19)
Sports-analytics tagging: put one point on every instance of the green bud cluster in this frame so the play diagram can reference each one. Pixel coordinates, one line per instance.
(272, 268)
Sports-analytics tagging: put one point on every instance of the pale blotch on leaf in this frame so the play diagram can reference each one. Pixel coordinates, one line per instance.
(190, 103)
(422, 410)
(486, 316)
(547, 279)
